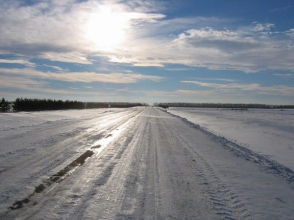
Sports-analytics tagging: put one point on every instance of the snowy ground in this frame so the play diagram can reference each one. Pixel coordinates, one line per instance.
(145, 163)
(267, 132)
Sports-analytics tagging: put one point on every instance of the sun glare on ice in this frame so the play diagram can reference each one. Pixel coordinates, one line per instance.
(104, 29)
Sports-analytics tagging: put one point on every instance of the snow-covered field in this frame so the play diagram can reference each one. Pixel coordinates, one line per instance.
(146, 163)
(266, 132)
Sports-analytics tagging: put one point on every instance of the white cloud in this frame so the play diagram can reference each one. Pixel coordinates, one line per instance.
(18, 61)
(209, 34)
(177, 69)
(119, 78)
(253, 86)
(290, 32)
(217, 79)
(21, 83)
(25, 72)
(263, 27)
(149, 64)
(258, 89)
(54, 67)
(243, 50)
(56, 30)
(87, 77)
(72, 57)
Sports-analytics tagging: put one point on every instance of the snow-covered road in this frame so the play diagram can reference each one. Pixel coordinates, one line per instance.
(144, 163)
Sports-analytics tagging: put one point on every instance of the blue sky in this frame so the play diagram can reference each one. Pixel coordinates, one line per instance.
(224, 51)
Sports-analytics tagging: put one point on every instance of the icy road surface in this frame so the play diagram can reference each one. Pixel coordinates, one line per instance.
(137, 163)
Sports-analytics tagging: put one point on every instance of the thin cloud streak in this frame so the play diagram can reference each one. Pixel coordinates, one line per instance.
(18, 61)
(87, 77)
(273, 90)
(217, 79)
(36, 86)
(54, 67)
(284, 74)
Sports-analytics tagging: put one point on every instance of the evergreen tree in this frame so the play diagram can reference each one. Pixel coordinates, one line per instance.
(4, 105)
(17, 104)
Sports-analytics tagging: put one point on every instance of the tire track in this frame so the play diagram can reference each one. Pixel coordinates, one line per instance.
(223, 199)
(133, 200)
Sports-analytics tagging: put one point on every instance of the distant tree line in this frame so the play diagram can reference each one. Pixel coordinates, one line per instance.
(223, 105)
(4, 105)
(24, 104)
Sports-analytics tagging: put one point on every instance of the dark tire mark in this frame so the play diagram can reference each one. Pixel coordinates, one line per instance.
(54, 178)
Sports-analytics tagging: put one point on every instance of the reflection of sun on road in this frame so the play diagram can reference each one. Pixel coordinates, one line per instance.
(102, 143)
(105, 29)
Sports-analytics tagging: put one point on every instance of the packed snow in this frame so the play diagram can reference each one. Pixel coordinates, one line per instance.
(147, 163)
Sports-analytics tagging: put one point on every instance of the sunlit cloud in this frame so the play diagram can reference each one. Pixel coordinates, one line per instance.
(18, 61)
(118, 78)
(86, 77)
(132, 32)
(72, 57)
(68, 31)
(148, 64)
(20, 83)
(245, 50)
(35, 86)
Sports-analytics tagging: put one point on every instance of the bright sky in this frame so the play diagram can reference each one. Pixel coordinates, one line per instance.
(220, 51)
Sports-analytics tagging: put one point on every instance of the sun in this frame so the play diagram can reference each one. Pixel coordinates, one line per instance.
(104, 29)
